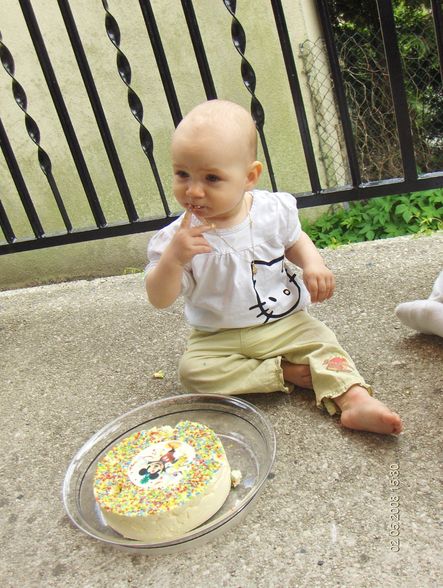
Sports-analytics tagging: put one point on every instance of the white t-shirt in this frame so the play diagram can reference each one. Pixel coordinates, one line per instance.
(220, 289)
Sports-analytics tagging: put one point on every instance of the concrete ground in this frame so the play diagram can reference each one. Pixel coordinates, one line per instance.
(76, 355)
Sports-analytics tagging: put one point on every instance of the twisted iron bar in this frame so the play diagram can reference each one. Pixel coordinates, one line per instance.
(135, 104)
(238, 36)
(33, 130)
(20, 185)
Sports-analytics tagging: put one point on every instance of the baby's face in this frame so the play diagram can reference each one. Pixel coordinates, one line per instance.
(211, 175)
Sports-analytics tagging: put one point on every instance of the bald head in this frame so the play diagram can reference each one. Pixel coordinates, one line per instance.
(225, 121)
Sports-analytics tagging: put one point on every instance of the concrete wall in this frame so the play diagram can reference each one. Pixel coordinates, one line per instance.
(113, 256)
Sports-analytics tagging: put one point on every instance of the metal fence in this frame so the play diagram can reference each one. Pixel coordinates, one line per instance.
(398, 165)
(371, 107)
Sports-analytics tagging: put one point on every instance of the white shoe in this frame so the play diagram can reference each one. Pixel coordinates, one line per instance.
(425, 316)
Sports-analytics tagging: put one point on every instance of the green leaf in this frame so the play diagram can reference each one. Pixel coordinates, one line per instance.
(407, 215)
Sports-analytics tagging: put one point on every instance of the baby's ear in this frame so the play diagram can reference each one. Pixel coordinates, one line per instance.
(254, 172)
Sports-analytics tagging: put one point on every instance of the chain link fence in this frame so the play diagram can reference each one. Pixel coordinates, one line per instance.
(325, 113)
(371, 108)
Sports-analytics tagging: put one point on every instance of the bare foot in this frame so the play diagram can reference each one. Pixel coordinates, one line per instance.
(362, 412)
(298, 374)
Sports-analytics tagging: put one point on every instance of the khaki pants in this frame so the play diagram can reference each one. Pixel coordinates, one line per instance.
(248, 360)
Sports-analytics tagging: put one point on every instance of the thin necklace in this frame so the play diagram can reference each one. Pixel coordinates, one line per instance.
(251, 235)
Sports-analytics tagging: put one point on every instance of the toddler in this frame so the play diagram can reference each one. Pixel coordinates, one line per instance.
(227, 256)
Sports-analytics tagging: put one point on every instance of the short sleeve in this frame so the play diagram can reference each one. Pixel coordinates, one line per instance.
(289, 221)
(157, 244)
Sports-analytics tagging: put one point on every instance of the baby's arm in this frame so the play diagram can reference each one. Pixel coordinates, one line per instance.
(319, 279)
(164, 281)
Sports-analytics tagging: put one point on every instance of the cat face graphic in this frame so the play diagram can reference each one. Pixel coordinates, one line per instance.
(281, 300)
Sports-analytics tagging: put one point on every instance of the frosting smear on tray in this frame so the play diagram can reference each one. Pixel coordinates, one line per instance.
(160, 483)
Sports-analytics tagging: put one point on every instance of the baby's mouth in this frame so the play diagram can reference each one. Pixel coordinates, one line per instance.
(195, 207)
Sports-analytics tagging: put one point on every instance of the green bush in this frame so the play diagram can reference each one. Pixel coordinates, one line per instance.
(378, 218)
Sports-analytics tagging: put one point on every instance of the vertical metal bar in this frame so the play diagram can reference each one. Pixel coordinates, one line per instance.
(339, 87)
(395, 69)
(6, 225)
(162, 62)
(19, 182)
(97, 108)
(438, 27)
(297, 97)
(199, 49)
(62, 112)
(46, 167)
(238, 36)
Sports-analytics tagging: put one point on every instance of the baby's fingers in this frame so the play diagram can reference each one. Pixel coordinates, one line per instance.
(200, 229)
(186, 220)
(194, 231)
(325, 288)
(320, 287)
(312, 286)
(200, 245)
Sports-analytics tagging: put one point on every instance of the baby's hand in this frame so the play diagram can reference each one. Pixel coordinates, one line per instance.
(320, 282)
(189, 241)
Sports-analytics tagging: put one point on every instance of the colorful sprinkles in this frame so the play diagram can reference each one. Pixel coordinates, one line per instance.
(114, 491)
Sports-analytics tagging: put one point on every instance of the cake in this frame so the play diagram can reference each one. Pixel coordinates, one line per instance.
(160, 483)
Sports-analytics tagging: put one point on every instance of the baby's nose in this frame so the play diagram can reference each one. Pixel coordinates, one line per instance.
(195, 189)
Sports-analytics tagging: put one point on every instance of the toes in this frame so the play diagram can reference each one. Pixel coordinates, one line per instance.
(374, 422)
(394, 422)
(398, 424)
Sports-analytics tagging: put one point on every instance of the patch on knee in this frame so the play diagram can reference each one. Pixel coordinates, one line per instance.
(338, 364)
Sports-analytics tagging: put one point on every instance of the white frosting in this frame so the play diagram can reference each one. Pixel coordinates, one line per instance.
(172, 524)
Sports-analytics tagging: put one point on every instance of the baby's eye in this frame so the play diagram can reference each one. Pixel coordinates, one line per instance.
(181, 174)
(212, 178)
